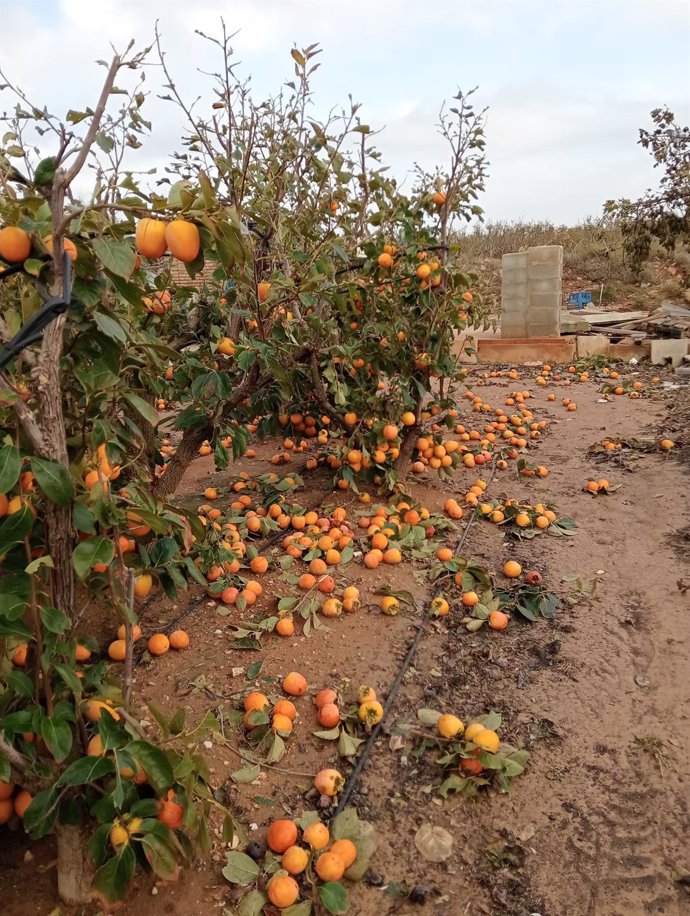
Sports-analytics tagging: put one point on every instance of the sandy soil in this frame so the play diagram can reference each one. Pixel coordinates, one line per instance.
(598, 824)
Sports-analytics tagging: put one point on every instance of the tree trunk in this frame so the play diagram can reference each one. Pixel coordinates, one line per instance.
(404, 459)
(167, 483)
(58, 519)
(74, 871)
(192, 438)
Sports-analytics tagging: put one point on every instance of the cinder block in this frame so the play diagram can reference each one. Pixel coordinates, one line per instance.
(548, 302)
(665, 349)
(545, 254)
(526, 350)
(592, 345)
(531, 292)
(551, 285)
(513, 260)
(544, 271)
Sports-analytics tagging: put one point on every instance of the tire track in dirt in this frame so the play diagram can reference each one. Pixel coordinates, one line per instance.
(629, 649)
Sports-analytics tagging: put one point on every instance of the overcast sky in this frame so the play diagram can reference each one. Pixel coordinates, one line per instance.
(568, 82)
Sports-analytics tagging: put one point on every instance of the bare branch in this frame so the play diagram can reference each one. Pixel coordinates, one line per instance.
(71, 173)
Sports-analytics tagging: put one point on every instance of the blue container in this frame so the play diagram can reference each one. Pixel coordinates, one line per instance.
(580, 299)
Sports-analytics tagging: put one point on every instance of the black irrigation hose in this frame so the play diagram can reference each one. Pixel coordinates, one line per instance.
(353, 779)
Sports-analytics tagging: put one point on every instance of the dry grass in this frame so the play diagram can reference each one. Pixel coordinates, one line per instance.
(593, 258)
(591, 244)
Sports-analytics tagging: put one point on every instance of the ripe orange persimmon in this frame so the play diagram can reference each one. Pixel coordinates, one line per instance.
(512, 569)
(346, 851)
(179, 639)
(449, 726)
(22, 800)
(329, 782)
(498, 620)
(295, 684)
(158, 644)
(183, 240)
(117, 650)
(150, 238)
(329, 715)
(285, 708)
(285, 627)
(170, 812)
(15, 244)
(255, 700)
(282, 834)
(295, 860)
(330, 867)
(317, 836)
(282, 891)
(136, 631)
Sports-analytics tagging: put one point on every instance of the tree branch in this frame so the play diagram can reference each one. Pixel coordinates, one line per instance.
(17, 760)
(71, 173)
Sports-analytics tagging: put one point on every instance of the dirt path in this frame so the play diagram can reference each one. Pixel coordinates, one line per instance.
(598, 824)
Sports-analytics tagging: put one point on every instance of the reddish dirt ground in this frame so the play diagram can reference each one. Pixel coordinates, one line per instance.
(598, 824)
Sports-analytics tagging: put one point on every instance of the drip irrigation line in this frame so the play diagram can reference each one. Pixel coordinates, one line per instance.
(354, 777)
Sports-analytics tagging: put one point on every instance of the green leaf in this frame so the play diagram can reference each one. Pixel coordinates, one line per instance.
(14, 594)
(161, 719)
(163, 551)
(246, 359)
(10, 466)
(347, 744)
(241, 869)
(111, 733)
(110, 327)
(54, 620)
(303, 908)
(111, 881)
(15, 528)
(428, 716)
(90, 552)
(45, 170)
(252, 904)
(20, 683)
(33, 266)
(117, 257)
(15, 628)
(160, 855)
(254, 670)
(83, 519)
(142, 407)
(177, 721)
(5, 769)
(85, 770)
(98, 846)
(276, 751)
(246, 774)
(155, 764)
(41, 815)
(334, 897)
(39, 562)
(70, 678)
(57, 734)
(492, 720)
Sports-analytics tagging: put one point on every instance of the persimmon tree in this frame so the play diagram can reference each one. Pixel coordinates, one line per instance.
(346, 297)
(77, 526)
(321, 301)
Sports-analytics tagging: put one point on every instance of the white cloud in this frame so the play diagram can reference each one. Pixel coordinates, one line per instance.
(566, 86)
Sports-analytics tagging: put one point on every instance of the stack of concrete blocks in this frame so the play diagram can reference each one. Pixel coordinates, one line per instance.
(531, 292)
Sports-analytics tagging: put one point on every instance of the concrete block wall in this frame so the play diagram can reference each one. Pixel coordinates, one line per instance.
(531, 292)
